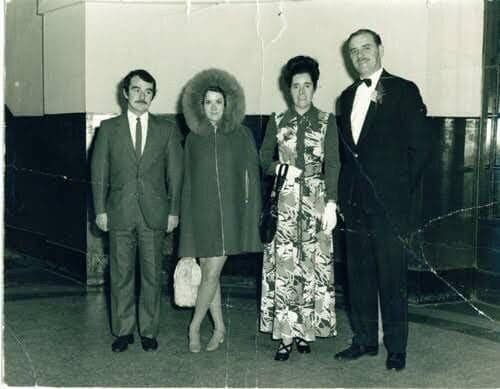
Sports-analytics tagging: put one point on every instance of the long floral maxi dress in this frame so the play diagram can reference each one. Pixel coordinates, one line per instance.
(298, 295)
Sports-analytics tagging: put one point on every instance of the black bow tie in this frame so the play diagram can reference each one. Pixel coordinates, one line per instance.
(367, 81)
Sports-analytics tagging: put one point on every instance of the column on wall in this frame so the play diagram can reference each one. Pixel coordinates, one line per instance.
(64, 134)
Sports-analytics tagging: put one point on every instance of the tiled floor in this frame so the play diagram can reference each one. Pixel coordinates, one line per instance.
(55, 334)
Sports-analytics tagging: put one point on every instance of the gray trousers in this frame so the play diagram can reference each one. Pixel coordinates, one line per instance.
(124, 247)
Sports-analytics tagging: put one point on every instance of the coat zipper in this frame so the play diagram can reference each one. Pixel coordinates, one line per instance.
(220, 197)
(246, 186)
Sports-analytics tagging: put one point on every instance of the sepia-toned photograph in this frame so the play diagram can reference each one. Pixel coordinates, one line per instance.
(251, 193)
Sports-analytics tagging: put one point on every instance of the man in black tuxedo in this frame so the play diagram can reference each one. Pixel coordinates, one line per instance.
(384, 144)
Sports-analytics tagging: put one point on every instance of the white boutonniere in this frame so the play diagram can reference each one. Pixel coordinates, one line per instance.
(378, 94)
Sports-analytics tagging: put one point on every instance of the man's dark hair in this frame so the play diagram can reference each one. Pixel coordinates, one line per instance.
(301, 64)
(143, 75)
(376, 37)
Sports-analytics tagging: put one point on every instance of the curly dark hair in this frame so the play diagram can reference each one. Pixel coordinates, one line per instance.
(301, 64)
(143, 75)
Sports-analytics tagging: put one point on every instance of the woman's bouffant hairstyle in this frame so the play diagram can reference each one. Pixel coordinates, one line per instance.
(301, 64)
(195, 91)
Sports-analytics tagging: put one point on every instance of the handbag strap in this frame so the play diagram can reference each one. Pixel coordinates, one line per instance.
(280, 178)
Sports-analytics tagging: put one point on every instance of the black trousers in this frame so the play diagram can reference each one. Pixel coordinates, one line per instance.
(376, 265)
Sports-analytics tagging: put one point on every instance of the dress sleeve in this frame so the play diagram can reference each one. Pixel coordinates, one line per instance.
(332, 160)
(186, 236)
(174, 162)
(268, 156)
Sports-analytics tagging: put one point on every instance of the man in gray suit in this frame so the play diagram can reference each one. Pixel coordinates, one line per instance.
(136, 182)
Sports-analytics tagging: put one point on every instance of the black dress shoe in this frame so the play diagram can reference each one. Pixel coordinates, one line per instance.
(302, 346)
(283, 352)
(121, 343)
(396, 361)
(355, 351)
(149, 344)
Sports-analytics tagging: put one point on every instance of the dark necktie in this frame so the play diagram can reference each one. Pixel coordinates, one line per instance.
(367, 81)
(138, 138)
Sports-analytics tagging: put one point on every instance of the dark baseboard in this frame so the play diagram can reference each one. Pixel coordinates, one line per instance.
(25, 241)
(425, 287)
(65, 260)
(487, 287)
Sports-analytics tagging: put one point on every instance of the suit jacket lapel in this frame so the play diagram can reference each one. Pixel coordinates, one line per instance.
(347, 117)
(125, 136)
(152, 140)
(374, 106)
(367, 124)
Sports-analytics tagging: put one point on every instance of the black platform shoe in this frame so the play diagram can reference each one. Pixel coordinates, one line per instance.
(302, 346)
(283, 352)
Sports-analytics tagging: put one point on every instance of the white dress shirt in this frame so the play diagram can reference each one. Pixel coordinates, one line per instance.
(361, 104)
(132, 123)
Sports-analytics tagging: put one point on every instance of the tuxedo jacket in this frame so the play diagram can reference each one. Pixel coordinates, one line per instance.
(381, 172)
(120, 180)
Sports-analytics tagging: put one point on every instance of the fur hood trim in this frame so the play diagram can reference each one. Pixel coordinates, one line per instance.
(192, 101)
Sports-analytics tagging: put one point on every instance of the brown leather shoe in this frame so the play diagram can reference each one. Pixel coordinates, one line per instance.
(354, 351)
(121, 343)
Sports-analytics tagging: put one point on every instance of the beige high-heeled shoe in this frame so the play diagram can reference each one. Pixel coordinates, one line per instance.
(216, 340)
(194, 341)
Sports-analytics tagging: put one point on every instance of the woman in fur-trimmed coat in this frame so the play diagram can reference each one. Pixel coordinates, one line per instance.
(221, 196)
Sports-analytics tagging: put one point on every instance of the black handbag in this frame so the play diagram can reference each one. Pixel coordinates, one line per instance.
(269, 216)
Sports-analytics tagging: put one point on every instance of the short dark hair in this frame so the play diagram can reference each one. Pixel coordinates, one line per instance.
(376, 37)
(214, 88)
(301, 64)
(144, 75)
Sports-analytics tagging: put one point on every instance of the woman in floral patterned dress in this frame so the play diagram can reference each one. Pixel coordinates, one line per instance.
(298, 295)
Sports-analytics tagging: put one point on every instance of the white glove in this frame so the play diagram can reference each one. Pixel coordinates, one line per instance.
(102, 221)
(172, 223)
(293, 172)
(330, 216)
